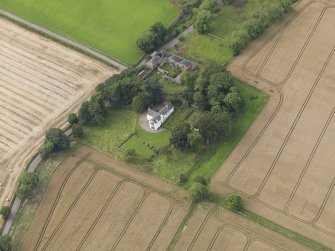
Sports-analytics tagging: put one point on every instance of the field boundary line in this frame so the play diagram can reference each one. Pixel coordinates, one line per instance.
(133, 215)
(295, 122)
(102, 211)
(309, 38)
(73, 204)
(57, 199)
(65, 41)
(159, 230)
(311, 157)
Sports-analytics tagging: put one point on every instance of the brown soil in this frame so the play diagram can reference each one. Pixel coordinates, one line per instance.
(213, 228)
(41, 82)
(94, 202)
(284, 164)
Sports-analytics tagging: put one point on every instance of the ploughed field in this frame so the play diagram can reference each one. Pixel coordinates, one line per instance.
(109, 26)
(95, 202)
(41, 82)
(284, 166)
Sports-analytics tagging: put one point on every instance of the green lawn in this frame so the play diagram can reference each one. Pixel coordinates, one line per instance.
(215, 49)
(110, 26)
(119, 125)
(139, 146)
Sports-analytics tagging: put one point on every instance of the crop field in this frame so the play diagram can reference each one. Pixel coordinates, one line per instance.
(213, 228)
(110, 26)
(284, 166)
(41, 82)
(94, 202)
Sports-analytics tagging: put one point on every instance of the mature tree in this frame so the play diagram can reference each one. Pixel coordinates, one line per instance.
(97, 111)
(27, 182)
(221, 81)
(200, 100)
(223, 120)
(202, 21)
(176, 101)
(5, 243)
(239, 40)
(84, 114)
(234, 202)
(182, 178)
(73, 118)
(57, 138)
(153, 38)
(152, 91)
(77, 131)
(233, 101)
(138, 103)
(194, 140)
(208, 129)
(47, 149)
(179, 136)
(5, 212)
(198, 192)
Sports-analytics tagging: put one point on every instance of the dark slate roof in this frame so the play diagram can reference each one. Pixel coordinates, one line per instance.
(165, 109)
(152, 113)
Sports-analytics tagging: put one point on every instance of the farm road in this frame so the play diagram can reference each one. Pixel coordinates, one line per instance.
(65, 40)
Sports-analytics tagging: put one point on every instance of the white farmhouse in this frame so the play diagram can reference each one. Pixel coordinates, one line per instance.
(156, 119)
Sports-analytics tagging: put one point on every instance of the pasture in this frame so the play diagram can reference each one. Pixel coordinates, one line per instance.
(109, 26)
(94, 202)
(41, 82)
(284, 166)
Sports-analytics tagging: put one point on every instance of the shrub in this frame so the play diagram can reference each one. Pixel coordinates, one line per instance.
(77, 131)
(27, 182)
(182, 178)
(5, 212)
(234, 202)
(200, 180)
(5, 243)
(47, 149)
(73, 118)
(130, 155)
(198, 192)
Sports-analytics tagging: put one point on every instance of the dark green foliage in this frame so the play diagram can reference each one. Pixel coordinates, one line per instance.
(5, 243)
(182, 178)
(223, 120)
(57, 138)
(130, 155)
(233, 101)
(234, 202)
(200, 180)
(176, 101)
(187, 6)
(153, 38)
(257, 23)
(47, 149)
(202, 21)
(27, 182)
(5, 212)
(198, 192)
(138, 104)
(179, 137)
(73, 118)
(208, 129)
(194, 140)
(77, 131)
(84, 115)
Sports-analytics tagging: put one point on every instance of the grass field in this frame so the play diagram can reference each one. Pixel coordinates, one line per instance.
(118, 126)
(215, 49)
(110, 26)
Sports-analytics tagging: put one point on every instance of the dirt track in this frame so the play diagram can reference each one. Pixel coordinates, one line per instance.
(41, 82)
(284, 166)
(94, 202)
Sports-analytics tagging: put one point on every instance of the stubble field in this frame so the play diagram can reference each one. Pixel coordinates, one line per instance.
(41, 82)
(284, 166)
(95, 202)
(214, 228)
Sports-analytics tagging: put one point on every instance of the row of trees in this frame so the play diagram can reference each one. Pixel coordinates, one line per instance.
(257, 23)
(124, 89)
(153, 38)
